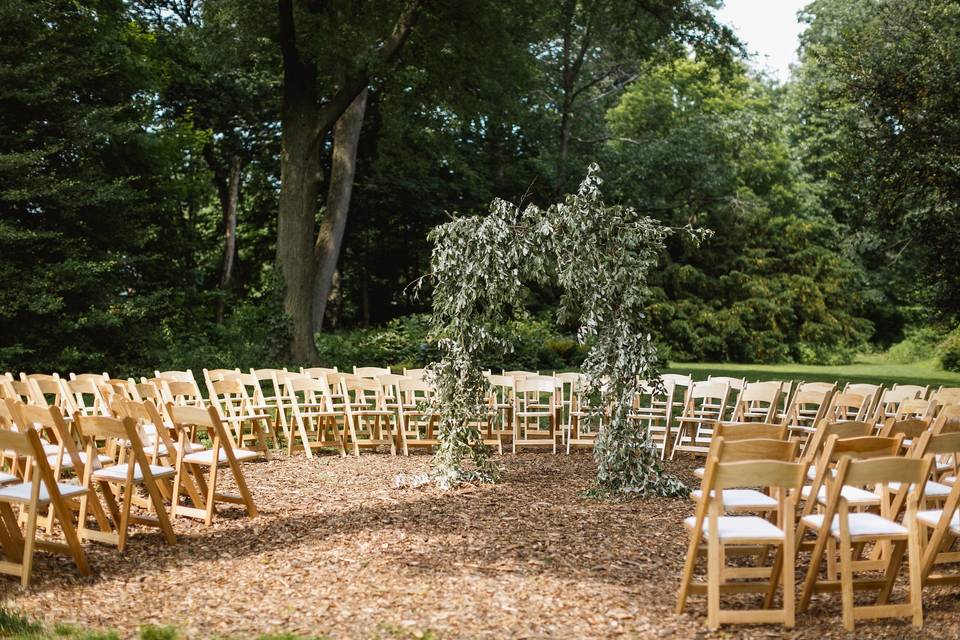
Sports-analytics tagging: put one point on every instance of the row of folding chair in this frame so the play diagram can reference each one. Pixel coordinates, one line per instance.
(93, 476)
(854, 501)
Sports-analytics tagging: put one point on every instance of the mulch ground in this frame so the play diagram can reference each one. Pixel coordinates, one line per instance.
(337, 551)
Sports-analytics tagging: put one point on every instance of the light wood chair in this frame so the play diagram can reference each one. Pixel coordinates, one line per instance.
(941, 527)
(848, 406)
(585, 422)
(249, 422)
(807, 409)
(705, 407)
(85, 394)
(313, 418)
(221, 453)
(852, 530)
(500, 399)
(418, 421)
(736, 386)
(872, 393)
(370, 423)
(371, 372)
(535, 402)
(721, 532)
(38, 491)
(180, 387)
(118, 482)
(414, 374)
(758, 401)
(652, 409)
(736, 431)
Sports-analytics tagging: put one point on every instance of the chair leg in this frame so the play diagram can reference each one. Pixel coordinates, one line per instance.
(846, 583)
(714, 571)
(689, 566)
(916, 579)
(30, 536)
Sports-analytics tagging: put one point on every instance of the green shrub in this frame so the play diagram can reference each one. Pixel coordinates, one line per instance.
(13, 623)
(919, 344)
(152, 632)
(950, 351)
(406, 342)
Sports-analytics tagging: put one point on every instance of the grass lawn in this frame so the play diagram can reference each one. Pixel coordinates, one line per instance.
(866, 368)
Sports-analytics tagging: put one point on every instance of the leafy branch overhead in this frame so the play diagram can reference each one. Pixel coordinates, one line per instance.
(601, 256)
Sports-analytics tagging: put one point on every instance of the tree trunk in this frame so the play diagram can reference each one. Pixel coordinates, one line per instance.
(346, 138)
(304, 121)
(300, 176)
(229, 201)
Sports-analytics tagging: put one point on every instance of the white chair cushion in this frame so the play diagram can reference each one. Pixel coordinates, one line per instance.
(950, 480)
(733, 527)
(855, 497)
(21, 492)
(699, 472)
(932, 490)
(67, 461)
(812, 472)
(932, 518)
(206, 456)
(118, 473)
(191, 446)
(861, 524)
(8, 478)
(742, 499)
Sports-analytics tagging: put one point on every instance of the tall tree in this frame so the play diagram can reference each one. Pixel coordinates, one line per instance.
(311, 106)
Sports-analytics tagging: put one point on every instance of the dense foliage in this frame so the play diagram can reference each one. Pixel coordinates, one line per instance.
(141, 152)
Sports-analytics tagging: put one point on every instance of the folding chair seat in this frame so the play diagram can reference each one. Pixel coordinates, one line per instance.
(535, 402)
(722, 534)
(202, 468)
(850, 532)
(705, 407)
(118, 482)
(38, 491)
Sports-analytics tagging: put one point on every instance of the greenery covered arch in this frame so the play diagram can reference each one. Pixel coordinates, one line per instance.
(600, 256)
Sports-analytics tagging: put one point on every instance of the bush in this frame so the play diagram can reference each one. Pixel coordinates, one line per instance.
(919, 344)
(950, 351)
(406, 342)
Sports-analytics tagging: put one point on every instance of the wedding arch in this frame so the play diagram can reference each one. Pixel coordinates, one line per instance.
(600, 256)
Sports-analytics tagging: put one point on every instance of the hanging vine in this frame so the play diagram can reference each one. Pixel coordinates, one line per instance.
(601, 256)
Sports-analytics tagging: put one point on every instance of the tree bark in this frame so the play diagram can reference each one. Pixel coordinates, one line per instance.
(346, 138)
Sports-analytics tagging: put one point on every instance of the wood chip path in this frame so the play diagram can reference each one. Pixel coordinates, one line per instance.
(338, 552)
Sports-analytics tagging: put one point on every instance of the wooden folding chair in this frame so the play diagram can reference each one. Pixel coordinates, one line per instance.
(585, 422)
(38, 490)
(807, 409)
(535, 402)
(758, 401)
(848, 406)
(118, 482)
(721, 532)
(222, 453)
(229, 395)
(371, 372)
(370, 423)
(418, 421)
(737, 431)
(272, 397)
(85, 394)
(871, 392)
(851, 531)
(941, 526)
(313, 418)
(180, 387)
(735, 386)
(652, 409)
(414, 374)
(706, 405)
(500, 399)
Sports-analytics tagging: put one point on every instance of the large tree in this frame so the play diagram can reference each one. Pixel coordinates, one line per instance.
(877, 103)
